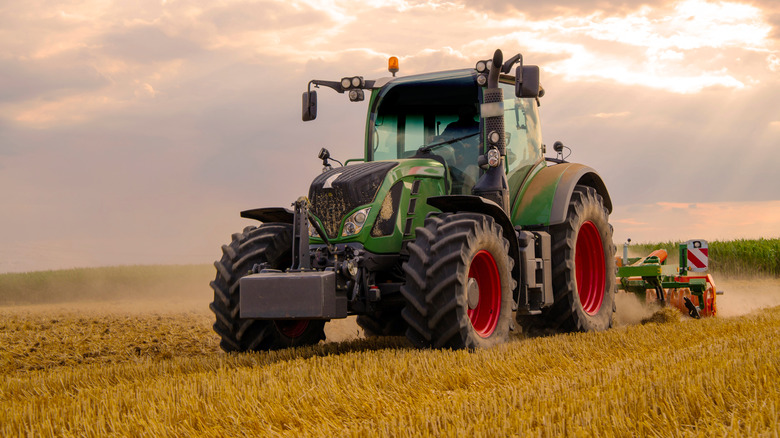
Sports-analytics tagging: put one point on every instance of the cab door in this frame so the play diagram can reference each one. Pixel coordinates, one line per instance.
(523, 137)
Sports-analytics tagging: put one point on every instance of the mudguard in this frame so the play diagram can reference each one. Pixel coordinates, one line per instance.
(270, 214)
(545, 200)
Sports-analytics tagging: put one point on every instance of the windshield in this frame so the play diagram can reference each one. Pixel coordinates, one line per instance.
(440, 113)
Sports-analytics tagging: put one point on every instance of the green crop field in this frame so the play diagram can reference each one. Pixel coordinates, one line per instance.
(135, 356)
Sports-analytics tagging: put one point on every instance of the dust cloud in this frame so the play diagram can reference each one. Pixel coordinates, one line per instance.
(188, 293)
(340, 330)
(631, 310)
(742, 296)
(136, 292)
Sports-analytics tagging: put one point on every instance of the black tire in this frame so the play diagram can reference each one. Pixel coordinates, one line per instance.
(582, 246)
(385, 323)
(268, 243)
(451, 254)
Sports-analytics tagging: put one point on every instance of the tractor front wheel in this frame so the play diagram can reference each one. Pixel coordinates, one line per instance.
(268, 243)
(459, 285)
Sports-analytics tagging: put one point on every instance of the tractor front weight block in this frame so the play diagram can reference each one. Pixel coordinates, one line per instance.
(292, 295)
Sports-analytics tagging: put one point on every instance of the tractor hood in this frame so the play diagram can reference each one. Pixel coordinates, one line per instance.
(336, 192)
(377, 204)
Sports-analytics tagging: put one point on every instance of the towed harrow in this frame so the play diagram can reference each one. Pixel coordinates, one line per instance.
(654, 281)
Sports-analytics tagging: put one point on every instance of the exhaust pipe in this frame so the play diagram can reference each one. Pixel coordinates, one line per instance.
(493, 184)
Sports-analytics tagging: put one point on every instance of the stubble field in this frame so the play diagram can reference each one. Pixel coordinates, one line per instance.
(140, 359)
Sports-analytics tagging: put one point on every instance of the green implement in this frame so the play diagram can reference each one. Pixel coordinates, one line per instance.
(671, 284)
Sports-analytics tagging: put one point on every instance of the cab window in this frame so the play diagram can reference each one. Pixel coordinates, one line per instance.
(523, 148)
(410, 116)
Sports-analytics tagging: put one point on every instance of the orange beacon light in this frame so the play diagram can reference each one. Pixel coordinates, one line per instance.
(392, 65)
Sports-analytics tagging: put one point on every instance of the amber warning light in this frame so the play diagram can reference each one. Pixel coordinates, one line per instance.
(392, 65)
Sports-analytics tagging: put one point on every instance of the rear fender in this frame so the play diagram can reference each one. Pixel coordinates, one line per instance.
(545, 200)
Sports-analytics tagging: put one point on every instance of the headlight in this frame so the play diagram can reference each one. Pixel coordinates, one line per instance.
(354, 223)
(356, 95)
(493, 157)
(346, 82)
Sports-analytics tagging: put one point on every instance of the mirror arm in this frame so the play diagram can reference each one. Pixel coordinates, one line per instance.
(336, 85)
(507, 67)
(330, 84)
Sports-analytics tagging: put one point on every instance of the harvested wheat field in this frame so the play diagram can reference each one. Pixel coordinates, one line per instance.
(150, 366)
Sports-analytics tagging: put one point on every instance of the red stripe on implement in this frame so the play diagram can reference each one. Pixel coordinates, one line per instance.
(704, 251)
(695, 261)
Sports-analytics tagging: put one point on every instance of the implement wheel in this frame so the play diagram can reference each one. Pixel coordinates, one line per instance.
(583, 259)
(459, 285)
(271, 243)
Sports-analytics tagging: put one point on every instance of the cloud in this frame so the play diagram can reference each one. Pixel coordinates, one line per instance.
(542, 10)
(659, 47)
(238, 18)
(26, 79)
(773, 62)
(710, 221)
(772, 13)
(611, 115)
(165, 119)
(684, 25)
(628, 221)
(145, 44)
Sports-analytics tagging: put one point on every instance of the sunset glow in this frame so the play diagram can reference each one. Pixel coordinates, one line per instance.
(148, 115)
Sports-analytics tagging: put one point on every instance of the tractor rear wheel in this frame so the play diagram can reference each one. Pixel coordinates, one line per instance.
(268, 243)
(459, 285)
(583, 259)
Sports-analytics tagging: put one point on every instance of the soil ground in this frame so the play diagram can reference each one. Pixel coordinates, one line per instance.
(741, 296)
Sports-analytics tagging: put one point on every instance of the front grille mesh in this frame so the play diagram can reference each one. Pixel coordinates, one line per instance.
(336, 192)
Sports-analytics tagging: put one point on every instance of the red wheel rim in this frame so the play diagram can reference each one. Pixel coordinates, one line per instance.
(484, 317)
(589, 268)
(292, 329)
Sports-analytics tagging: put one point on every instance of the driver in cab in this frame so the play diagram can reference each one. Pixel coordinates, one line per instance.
(462, 154)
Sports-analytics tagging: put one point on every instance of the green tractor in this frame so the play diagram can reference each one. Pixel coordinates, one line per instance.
(453, 226)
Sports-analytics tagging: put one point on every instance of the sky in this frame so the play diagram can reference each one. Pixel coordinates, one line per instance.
(135, 132)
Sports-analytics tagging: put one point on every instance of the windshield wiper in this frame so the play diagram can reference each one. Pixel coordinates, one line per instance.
(425, 149)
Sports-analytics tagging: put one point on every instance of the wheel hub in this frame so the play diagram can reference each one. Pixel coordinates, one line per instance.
(473, 293)
(589, 267)
(292, 328)
(484, 274)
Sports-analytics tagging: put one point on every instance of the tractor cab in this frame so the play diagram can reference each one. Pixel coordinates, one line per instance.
(439, 114)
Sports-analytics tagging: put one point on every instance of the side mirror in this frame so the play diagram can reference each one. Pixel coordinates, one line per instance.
(309, 106)
(527, 81)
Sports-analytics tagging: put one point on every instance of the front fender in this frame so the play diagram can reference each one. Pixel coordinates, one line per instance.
(545, 200)
(270, 214)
